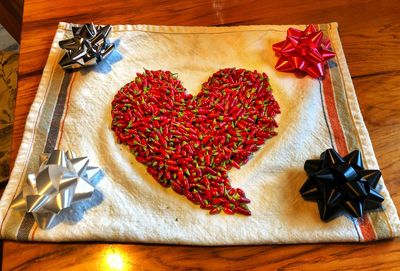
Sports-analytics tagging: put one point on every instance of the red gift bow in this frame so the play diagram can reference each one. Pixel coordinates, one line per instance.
(304, 50)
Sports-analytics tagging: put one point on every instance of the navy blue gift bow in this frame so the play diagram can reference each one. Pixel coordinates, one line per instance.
(341, 184)
(88, 46)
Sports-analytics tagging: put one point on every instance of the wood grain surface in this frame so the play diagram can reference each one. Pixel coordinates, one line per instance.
(370, 35)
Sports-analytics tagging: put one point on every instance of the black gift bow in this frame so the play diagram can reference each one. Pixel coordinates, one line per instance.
(88, 46)
(341, 184)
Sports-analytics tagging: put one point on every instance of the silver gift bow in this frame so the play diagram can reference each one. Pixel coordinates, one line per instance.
(61, 181)
(88, 46)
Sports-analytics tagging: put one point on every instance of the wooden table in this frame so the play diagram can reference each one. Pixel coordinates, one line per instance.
(370, 36)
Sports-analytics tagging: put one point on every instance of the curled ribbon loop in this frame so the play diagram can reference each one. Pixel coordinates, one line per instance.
(303, 50)
(62, 180)
(341, 184)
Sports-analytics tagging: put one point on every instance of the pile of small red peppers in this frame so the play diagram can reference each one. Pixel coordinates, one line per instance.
(189, 143)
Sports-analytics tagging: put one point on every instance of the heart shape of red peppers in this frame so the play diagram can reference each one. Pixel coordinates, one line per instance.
(190, 142)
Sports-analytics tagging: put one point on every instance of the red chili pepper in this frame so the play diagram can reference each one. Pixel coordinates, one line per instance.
(244, 200)
(232, 192)
(173, 168)
(240, 192)
(152, 171)
(210, 170)
(228, 211)
(199, 198)
(235, 164)
(242, 211)
(186, 184)
(215, 211)
(177, 188)
(207, 160)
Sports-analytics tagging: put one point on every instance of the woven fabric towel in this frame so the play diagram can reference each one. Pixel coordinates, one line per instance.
(72, 111)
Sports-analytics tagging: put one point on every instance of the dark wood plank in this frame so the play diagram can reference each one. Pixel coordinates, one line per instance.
(369, 32)
(150, 257)
(379, 99)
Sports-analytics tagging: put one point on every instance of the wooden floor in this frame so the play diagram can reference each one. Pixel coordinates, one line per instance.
(370, 35)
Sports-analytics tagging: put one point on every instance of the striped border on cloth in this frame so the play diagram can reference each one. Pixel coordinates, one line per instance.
(28, 222)
(344, 135)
